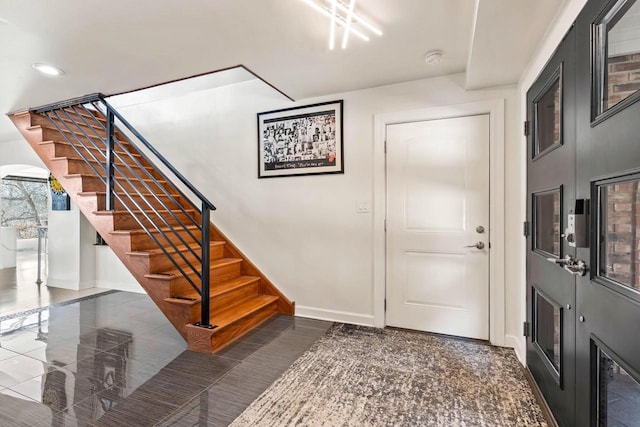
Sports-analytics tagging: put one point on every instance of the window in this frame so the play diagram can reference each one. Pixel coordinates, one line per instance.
(617, 57)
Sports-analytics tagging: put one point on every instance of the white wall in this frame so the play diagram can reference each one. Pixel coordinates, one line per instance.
(112, 274)
(71, 250)
(304, 232)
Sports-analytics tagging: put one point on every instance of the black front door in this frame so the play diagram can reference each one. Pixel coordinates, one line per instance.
(608, 173)
(583, 257)
(551, 197)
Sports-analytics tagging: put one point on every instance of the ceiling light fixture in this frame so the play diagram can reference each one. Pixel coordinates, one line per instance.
(47, 69)
(433, 57)
(345, 36)
(3, 21)
(332, 29)
(339, 15)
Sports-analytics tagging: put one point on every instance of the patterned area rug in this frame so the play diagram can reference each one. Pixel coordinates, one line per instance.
(358, 376)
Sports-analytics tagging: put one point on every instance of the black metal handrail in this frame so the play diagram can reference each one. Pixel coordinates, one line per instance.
(117, 160)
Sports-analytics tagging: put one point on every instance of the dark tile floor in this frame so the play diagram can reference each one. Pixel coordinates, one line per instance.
(114, 360)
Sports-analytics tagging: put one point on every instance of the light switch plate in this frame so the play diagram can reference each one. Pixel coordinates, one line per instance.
(362, 206)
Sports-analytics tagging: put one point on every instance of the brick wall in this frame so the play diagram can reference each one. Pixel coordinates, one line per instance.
(624, 78)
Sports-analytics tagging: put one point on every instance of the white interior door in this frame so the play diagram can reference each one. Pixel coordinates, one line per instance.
(437, 198)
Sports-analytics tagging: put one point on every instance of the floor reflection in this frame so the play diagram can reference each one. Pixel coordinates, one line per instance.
(114, 359)
(19, 292)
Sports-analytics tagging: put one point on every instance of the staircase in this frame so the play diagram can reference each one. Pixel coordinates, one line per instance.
(154, 220)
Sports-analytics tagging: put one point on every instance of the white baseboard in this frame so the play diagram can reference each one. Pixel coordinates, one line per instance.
(73, 285)
(120, 286)
(335, 315)
(519, 345)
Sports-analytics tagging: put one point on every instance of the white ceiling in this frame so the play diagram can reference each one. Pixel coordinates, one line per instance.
(115, 46)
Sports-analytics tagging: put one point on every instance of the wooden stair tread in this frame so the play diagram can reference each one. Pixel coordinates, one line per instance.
(193, 297)
(180, 248)
(170, 274)
(242, 309)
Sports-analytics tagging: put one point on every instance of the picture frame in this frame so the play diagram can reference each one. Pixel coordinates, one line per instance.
(305, 140)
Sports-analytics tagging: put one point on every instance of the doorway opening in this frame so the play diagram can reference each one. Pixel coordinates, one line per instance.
(24, 196)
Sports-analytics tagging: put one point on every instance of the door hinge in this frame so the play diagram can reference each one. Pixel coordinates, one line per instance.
(526, 128)
(385, 146)
(385, 225)
(525, 228)
(525, 329)
(385, 304)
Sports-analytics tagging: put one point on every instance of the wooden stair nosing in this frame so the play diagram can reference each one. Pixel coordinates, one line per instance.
(175, 274)
(180, 248)
(194, 297)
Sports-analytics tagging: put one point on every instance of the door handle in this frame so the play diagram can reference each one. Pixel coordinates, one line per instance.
(479, 245)
(576, 267)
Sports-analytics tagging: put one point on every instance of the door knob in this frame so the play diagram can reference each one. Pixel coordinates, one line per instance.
(478, 245)
(479, 229)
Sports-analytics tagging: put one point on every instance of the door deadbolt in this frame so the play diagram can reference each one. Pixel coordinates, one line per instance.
(480, 229)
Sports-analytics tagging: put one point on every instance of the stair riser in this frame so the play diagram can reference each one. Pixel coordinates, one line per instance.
(93, 183)
(141, 242)
(128, 222)
(225, 300)
(160, 262)
(218, 275)
(57, 149)
(144, 202)
(79, 128)
(78, 166)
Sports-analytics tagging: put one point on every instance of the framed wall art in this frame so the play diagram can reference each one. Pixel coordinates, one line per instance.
(303, 140)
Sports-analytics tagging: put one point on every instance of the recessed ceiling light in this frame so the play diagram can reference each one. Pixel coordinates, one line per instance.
(3, 21)
(47, 69)
(433, 57)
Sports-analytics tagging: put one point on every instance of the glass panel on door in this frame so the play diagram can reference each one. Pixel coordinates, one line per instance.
(546, 222)
(547, 330)
(618, 54)
(618, 394)
(620, 232)
(548, 116)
